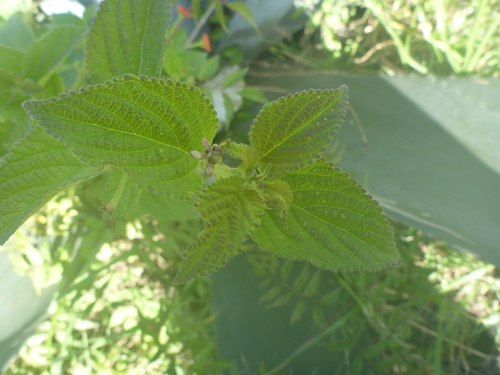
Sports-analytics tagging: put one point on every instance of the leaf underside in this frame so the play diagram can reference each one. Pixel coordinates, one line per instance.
(144, 126)
(294, 130)
(332, 223)
(128, 37)
(36, 169)
(231, 214)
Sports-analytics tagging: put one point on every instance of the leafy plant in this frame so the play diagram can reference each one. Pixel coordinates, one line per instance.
(160, 133)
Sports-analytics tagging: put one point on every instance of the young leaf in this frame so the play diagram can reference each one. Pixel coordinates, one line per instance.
(144, 126)
(35, 170)
(332, 223)
(277, 195)
(48, 52)
(128, 37)
(231, 214)
(243, 152)
(296, 129)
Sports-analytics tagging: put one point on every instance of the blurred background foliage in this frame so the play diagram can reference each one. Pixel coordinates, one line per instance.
(116, 311)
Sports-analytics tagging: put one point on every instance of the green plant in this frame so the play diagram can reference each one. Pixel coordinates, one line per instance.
(158, 132)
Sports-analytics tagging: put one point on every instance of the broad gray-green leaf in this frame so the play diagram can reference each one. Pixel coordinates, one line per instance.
(296, 129)
(144, 126)
(332, 223)
(231, 214)
(22, 310)
(36, 169)
(128, 37)
(48, 52)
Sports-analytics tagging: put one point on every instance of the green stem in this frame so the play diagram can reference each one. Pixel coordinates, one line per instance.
(173, 30)
(119, 190)
(200, 23)
(110, 207)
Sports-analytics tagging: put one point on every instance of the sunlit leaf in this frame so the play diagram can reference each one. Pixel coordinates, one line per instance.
(35, 170)
(332, 223)
(231, 214)
(296, 129)
(144, 126)
(128, 37)
(48, 52)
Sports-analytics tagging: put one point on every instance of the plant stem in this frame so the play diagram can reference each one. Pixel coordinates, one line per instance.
(200, 23)
(119, 190)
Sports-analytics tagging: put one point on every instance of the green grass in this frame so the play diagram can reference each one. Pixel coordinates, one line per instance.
(428, 37)
(121, 315)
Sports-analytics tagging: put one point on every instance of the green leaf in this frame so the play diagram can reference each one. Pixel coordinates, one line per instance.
(53, 86)
(245, 12)
(231, 214)
(219, 13)
(16, 34)
(128, 37)
(296, 129)
(277, 195)
(271, 294)
(209, 68)
(458, 205)
(48, 52)
(184, 64)
(167, 209)
(144, 126)
(280, 301)
(332, 223)
(253, 94)
(7, 86)
(298, 312)
(303, 277)
(67, 19)
(235, 77)
(243, 152)
(37, 168)
(313, 285)
(10, 58)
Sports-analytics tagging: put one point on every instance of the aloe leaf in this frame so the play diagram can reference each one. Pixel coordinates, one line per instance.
(231, 214)
(35, 170)
(128, 37)
(147, 127)
(332, 223)
(296, 129)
